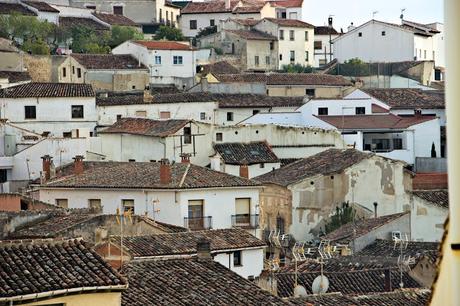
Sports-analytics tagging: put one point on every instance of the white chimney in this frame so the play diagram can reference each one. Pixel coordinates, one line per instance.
(215, 163)
(227, 4)
(351, 27)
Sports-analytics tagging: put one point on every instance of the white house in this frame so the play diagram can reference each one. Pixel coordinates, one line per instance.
(289, 9)
(169, 62)
(54, 109)
(181, 194)
(43, 10)
(13, 78)
(323, 46)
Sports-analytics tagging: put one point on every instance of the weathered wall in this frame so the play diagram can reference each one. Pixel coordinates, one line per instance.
(39, 67)
(11, 61)
(300, 91)
(87, 299)
(275, 201)
(427, 220)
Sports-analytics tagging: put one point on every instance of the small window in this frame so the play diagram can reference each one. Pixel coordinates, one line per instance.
(360, 110)
(202, 116)
(131, 160)
(193, 25)
(128, 205)
(90, 7)
(78, 72)
(322, 111)
(118, 117)
(360, 34)
(306, 56)
(291, 35)
(292, 56)
(384, 33)
(212, 22)
(219, 137)
(67, 134)
(262, 165)
(73, 69)
(177, 60)
(77, 112)
(165, 115)
(306, 35)
(255, 112)
(157, 60)
(267, 60)
(95, 205)
(424, 53)
(141, 113)
(161, 15)
(281, 34)
(397, 144)
(256, 60)
(30, 112)
(310, 92)
(281, 57)
(229, 116)
(237, 259)
(118, 10)
(318, 45)
(187, 135)
(272, 45)
(64, 72)
(63, 203)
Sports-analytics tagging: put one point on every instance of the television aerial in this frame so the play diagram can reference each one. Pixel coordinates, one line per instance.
(320, 284)
(300, 291)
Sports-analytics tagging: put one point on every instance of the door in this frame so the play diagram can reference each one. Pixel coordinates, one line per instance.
(242, 209)
(195, 214)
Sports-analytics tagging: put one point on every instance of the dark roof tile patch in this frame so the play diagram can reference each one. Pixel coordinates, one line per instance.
(146, 127)
(409, 98)
(108, 61)
(120, 98)
(387, 248)
(113, 19)
(41, 6)
(48, 90)
(246, 153)
(325, 30)
(436, 197)
(7, 8)
(285, 79)
(208, 7)
(15, 76)
(222, 67)
(70, 22)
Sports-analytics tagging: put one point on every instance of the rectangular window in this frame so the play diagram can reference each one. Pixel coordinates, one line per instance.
(131, 160)
(306, 56)
(424, 53)
(272, 45)
(229, 116)
(118, 10)
(187, 135)
(291, 35)
(292, 56)
(322, 111)
(281, 57)
(318, 45)
(219, 137)
(397, 144)
(73, 69)
(384, 33)
(77, 112)
(212, 22)
(64, 72)
(360, 110)
(128, 205)
(237, 259)
(281, 34)
(79, 72)
(165, 115)
(90, 7)
(256, 60)
(261, 165)
(119, 117)
(161, 15)
(193, 25)
(177, 60)
(63, 203)
(267, 60)
(141, 113)
(255, 112)
(67, 134)
(202, 116)
(360, 34)
(381, 144)
(157, 60)
(30, 112)
(95, 205)
(310, 92)
(306, 35)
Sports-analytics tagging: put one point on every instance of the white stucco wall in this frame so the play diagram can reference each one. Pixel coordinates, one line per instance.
(252, 262)
(325, 52)
(254, 170)
(427, 220)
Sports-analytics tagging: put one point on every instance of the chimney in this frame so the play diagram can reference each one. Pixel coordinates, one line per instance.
(185, 158)
(165, 171)
(215, 163)
(388, 280)
(418, 113)
(351, 27)
(244, 171)
(46, 166)
(375, 209)
(227, 4)
(203, 249)
(78, 164)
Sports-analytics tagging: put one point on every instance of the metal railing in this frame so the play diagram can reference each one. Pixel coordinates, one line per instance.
(198, 223)
(245, 221)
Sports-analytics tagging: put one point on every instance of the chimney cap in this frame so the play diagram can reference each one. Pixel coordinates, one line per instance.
(47, 157)
(78, 157)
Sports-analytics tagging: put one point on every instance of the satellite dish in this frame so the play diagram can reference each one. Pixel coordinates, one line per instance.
(320, 285)
(300, 291)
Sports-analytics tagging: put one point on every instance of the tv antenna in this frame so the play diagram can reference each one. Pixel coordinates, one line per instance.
(374, 13)
(404, 262)
(402, 13)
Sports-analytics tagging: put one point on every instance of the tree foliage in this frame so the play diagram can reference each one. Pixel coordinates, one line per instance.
(354, 67)
(297, 68)
(343, 215)
(169, 33)
(120, 34)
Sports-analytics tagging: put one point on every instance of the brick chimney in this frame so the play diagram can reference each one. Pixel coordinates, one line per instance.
(165, 171)
(185, 158)
(46, 166)
(418, 113)
(78, 164)
(387, 273)
(203, 249)
(244, 171)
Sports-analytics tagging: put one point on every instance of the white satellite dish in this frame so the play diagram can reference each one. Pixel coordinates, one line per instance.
(320, 285)
(300, 291)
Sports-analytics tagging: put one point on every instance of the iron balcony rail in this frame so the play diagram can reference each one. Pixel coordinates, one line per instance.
(198, 223)
(245, 221)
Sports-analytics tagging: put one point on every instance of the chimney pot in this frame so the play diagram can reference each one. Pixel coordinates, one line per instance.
(78, 164)
(185, 158)
(227, 4)
(388, 280)
(244, 171)
(375, 209)
(46, 166)
(165, 171)
(203, 249)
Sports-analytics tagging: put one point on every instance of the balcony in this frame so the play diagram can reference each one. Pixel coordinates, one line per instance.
(245, 221)
(198, 223)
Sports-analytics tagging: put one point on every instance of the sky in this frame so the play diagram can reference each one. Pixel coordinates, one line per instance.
(360, 11)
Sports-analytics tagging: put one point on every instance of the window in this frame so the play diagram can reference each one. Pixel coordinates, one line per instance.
(256, 60)
(306, 35)
(261, 165)
(131, 160)
(141, 113)
(177, 60)
(306, 56)
(219, 137)
(30, 112)
(77, 111)
(360, 110)
(73, 69)
(318, 45)
(118, 117)
(397, 144)
(157, 60)
(229, 116)
(95, 205)
(281, 34)
(63, 203)
(384, 33)
(187, 135)
(380, 144)
(424, 54)
(255, 112)
(118, 10)
(292, 56)
(67, 134)
(291, 34)
(281, 57)
(212, 22)
(202, 116)
(128, 205)
(79, 72)
(167, 15)
(193, 25)
(64, 72)
(280, 224)
(90, 7)
(272, 45)
(237, 259)
(322, 111)
(310, 92)
(165, 115)
(322, 62)
(360, 34)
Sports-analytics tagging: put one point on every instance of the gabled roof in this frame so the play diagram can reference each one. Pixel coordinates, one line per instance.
(222, 67)
(374, 122)
(178, 282)
(246, 153)
(325, 30)
(146, 127)
(108, 61)
(114, 19)
(290, 22)
(46, 266)
(327, 162)
(288, 3)
(163, 45)
(386, 248)
(252, 34)
(246, 22)
(48, 90)
(206, 7)
(8, 8)
(15, 76)
(70, 22)
(409, 98)
(419, 28)
(285, 79)
(437, 197)
(41, 6)
(146, 175)
(353, 230)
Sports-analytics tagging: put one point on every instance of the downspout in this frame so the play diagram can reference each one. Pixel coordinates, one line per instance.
(164, 146)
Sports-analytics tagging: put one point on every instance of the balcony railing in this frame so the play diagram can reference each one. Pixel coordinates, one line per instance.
(198, 223)
(245, 221)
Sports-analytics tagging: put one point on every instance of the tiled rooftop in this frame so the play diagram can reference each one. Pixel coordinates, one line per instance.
(325, 30)
(8, 8)
(41, 6)
(436, 197)
(48, 90)
(409, 98)
(387, 248)
(246, 153)
(290, 23)
(163, 45)
(222, 67)
(285, 79)
(288, 3)
(108, 61)
(190, 282)
(15, 76)
(146, 127)
(252, 34)
(113, 19)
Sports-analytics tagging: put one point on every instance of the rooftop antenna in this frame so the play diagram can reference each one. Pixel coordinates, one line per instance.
(374, 13)
(402, 14)
(404, 262)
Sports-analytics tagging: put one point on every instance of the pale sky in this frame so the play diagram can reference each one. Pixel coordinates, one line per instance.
(360, 11)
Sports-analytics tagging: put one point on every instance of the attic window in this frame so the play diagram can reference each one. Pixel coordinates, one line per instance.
(118, 10)
(383, 33)
(360, 34)
(219, 137)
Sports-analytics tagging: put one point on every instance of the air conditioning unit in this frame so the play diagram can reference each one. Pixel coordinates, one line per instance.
(396, 235)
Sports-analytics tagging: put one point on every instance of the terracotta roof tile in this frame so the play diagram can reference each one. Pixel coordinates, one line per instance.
(108, 61)
(377, 109)
(324, 30)
(222, 67)
(15, 76)
(41, 6)
(246, 22)
(288, 3)
(409, 98)
(206, 7)
(436, 197)
(113, 19)
(290, 23)
(120, 98)
(246, 153)
(69, 22)
(7, 8)
(285, 79)
(163, 45)
(386, 248)
(252, 34)
(146, 127)
(51, 90)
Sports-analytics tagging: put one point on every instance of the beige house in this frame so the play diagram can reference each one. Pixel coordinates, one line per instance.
(10, 55)
(105, 72)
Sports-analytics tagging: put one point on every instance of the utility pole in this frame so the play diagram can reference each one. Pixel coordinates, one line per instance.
(329, 21)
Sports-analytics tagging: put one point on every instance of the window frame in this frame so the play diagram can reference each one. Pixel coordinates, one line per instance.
(230, 116)
(34, 107)
(58, 202)
(256, 61)
(202, 116)
(74, 109)
(193, 24)
(281, 35)
(178, 60)
(323, 111)
(118, 7)
(238, 259)
(306, 35)
(291, 35)
(123, 205)
(360, 110)
(157, 59)
(219, 136)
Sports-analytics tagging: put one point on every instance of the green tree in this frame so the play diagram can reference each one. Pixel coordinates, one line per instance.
(343, 215)
(87, 40)
(353, 67)
(120, 34)
(38, 47)
(297, 68)
(169, 33)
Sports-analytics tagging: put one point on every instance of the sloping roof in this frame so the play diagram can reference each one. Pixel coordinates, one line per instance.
(409, 98)
(246, 22)
(386, 248)
(290, 23)
(327, 162)
(238, 153)
(285, 79)
(419, 28)
(222, 67)
(146, 127)
(69, 22)
(389, 121)
(7, 8)
(249, 8)
(114, 19)
(208, 7)
(120, 98)
(252, 34)
(49, 90)
(436, 197)
(36, 267)
(7, 45)
(138, 175)
(377, 109)
(325, 30)
(163, 45)
(352, 230)
(190, 282)
(108, 61)
(185, 243)
(41, 6)
(15, 76)
(288, 3)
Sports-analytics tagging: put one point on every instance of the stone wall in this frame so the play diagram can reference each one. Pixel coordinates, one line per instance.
(39, 67)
